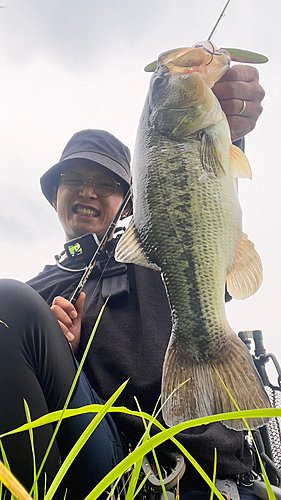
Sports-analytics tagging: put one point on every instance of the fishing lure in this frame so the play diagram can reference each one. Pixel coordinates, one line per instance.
(236, 55)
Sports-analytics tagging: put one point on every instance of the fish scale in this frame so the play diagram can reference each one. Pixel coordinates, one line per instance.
(180, 229)
(188, 224)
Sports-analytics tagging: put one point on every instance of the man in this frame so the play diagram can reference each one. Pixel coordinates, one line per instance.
(36, 362)
(86, 188)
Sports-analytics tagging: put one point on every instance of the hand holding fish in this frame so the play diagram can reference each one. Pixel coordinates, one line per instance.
(69, 318)
(240, 87)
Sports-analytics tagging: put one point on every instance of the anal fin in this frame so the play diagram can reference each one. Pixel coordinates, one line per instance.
(246, 274)
(193, 399)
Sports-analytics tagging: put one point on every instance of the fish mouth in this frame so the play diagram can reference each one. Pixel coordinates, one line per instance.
(193, 66)
(191, 60)
(85, 211)
(198, 59)
(184, 60)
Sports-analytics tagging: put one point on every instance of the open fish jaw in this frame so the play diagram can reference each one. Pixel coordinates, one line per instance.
(196, 60)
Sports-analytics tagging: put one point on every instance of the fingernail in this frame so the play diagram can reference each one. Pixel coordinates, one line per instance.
(73, 314)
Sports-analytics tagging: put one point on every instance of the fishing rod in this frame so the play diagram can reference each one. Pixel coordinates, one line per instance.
(238, 55)
(218, 21)
(100, 248)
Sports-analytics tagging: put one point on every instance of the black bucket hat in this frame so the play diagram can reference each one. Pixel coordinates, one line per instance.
(94, 145)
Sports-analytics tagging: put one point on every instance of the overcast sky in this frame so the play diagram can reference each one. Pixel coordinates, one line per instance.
(68, 65)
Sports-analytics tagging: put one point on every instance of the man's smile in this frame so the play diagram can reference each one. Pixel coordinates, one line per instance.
(85, 211)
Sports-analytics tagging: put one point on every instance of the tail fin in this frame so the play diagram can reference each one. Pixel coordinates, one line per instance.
(204, 394)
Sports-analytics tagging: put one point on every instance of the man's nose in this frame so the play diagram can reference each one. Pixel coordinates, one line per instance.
(88, 191)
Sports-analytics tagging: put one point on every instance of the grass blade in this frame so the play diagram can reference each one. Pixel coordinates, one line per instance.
(9, 480)
(81, 441)
(153, 452)
(133, 481)
(215, 472)
(28, 418)
(95, 408)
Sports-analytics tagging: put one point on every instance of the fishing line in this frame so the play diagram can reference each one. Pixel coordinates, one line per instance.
(100, 248)
(110, 255)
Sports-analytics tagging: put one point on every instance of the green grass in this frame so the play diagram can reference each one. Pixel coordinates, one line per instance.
(147, 445)
(133, 460)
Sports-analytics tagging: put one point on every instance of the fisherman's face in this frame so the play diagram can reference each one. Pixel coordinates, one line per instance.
(84, 211)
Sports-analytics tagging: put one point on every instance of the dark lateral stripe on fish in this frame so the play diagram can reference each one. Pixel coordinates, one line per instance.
(194, 299)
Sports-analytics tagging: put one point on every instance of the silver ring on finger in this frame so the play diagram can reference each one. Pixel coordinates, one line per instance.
(244, 104)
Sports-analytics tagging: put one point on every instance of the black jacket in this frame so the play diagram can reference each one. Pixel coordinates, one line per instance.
(130, 342)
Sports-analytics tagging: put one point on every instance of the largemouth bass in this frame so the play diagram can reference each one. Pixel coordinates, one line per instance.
(188, 223)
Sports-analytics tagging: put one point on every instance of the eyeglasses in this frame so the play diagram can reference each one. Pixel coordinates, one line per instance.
(102, 185)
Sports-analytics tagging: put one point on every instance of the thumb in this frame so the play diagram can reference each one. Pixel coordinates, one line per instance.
(79, 306)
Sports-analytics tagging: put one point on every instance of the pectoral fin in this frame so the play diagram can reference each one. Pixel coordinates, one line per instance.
(211, 155)
(129, 250)
(245, 276)
(239, 162)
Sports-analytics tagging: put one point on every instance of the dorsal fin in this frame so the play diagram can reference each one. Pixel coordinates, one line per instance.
(129, 249)
(245, 276)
